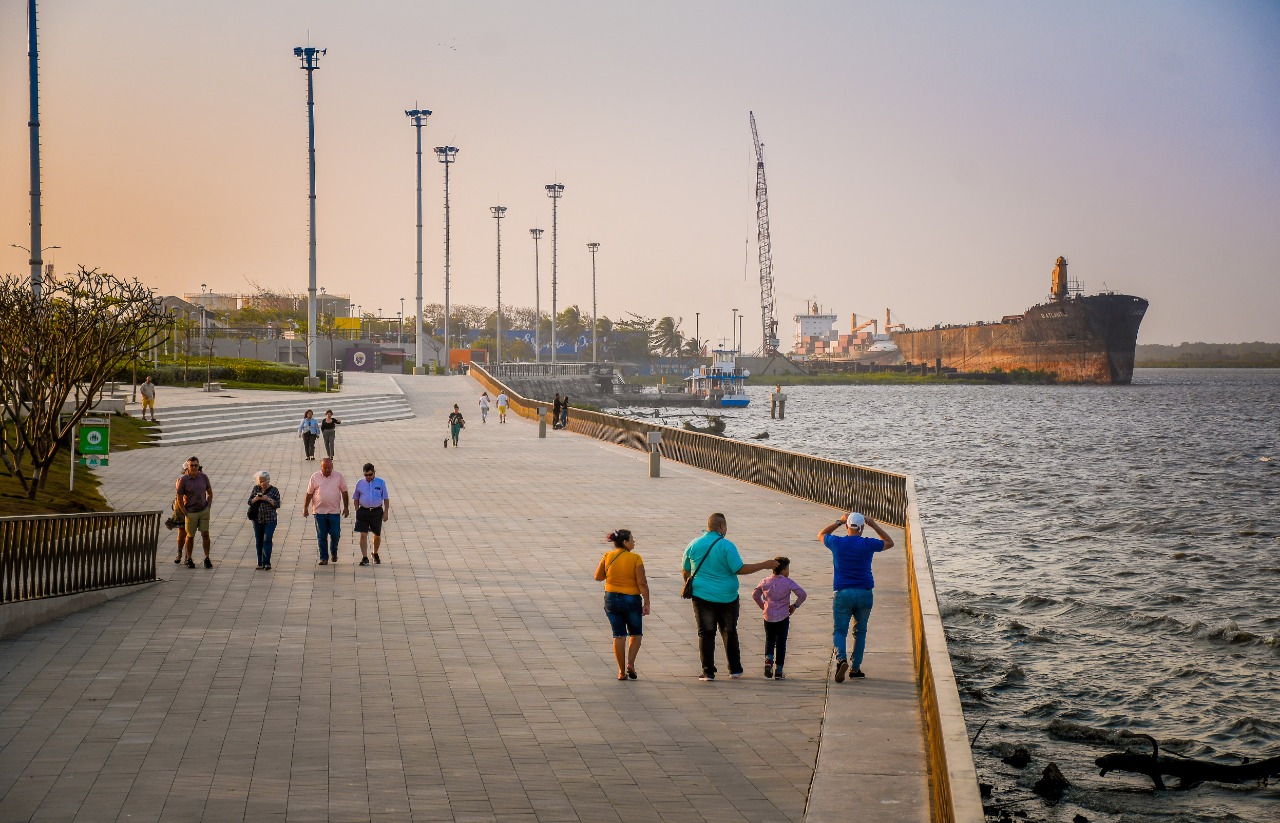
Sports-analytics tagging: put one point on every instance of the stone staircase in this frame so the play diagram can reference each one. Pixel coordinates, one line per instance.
(203, 424)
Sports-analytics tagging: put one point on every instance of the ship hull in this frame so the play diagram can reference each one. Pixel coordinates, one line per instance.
(1080, 339)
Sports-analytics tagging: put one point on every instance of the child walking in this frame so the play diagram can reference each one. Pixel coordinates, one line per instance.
(773, 596)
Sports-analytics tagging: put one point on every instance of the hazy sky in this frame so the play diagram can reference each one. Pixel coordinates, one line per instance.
(930, 157)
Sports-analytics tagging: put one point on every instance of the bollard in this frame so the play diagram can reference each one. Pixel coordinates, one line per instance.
(542, 421)
(655, 455)
(778, 405)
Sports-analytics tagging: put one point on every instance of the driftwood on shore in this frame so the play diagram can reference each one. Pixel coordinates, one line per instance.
(1189, 771)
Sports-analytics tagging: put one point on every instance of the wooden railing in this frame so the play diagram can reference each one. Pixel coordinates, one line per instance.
(888, 497)
(57, 554)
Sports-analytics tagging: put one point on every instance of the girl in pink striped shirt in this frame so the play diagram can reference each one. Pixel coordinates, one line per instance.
(773, 596)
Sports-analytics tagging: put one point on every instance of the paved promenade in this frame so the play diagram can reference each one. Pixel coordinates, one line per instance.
(468, 677)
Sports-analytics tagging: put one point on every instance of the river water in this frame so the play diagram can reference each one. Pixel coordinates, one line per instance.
(1108, 559)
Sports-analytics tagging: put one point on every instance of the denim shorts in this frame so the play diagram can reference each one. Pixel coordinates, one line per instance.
(624, 612)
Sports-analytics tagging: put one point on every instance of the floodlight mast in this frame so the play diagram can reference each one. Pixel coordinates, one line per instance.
(34, 124)
(594, 247)
(499, 212)
(446, 155)
(310, 57)
(418, 117)
(536, 234)
(555, 191)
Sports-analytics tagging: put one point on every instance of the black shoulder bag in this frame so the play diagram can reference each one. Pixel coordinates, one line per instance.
(687, 591)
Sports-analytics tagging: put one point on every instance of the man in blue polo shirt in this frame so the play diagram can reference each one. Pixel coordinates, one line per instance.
(852, 555)
(373, 505)
(715, 566)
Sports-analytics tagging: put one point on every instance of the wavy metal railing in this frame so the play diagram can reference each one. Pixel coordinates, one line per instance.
(57, 554)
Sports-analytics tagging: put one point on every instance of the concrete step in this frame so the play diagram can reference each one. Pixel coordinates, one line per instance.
(211, 423)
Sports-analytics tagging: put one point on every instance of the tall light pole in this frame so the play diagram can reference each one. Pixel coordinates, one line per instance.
(446, 155)
(498, 213)
(594, 247)
(34, 125)
(536, 234)
(697, 334)
(419, 119)
(555, 191)
(310, 62)
(400, 326)
(741, 317)
(733, 330)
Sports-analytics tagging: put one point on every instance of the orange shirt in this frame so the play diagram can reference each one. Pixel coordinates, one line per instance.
(620, 576)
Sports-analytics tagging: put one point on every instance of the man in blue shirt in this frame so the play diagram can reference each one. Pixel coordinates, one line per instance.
(852, 555)
(715, 565)
(373, 504)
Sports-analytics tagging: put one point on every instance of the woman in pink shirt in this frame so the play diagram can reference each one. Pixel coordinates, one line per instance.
(773, 596)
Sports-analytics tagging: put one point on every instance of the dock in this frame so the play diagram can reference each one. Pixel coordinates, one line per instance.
(470, 676)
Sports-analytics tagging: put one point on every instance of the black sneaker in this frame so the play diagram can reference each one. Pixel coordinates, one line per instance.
(377, 559)
(841, 667)
(778, 675)
(768, 668)
(856, 673)
(707, 676)
(191, 564)
(208, 564)
(364, 561)
(177, 559)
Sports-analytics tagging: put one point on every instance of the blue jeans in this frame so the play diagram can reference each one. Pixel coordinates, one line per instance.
(855, 604)
(625, 613)
(262, 534)
(328, 530)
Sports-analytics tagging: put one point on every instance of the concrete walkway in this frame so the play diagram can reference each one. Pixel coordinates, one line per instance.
(468, 677)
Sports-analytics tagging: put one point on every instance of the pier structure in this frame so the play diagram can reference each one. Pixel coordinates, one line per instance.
(470, 674)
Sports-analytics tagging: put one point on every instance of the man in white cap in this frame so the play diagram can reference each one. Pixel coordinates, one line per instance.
(852, 555)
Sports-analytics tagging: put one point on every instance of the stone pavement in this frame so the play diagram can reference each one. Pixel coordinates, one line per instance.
(468, 677)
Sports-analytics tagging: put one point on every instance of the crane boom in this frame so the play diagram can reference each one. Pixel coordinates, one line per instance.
(768, 316)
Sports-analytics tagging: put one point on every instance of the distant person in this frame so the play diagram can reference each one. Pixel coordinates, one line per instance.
(179, 520)
(373, 506)
(484, 406)
(555, 412)
(326, 497)
(852, 554)
(148, 392)
(773, 596)
(564, 413)
(195, 499)
(264, 502)
(329, 430)
(626, 599)
(503, 403)
(715, 565)
(308, 430)
(456, 425)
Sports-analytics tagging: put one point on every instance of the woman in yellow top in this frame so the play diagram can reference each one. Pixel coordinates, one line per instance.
(626, 598)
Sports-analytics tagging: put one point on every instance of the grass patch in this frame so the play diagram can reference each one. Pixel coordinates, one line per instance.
(127, 434)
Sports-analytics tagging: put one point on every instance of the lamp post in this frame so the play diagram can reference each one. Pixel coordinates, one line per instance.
(733, 330)
(594, 247)
(536, 234)
(555, 191)
(310, 62)
(400, 327)
(741, 317)
(446, 155)
(697, 334)
(498, 213)
(33, 123)
(419, 119)
(203, 322)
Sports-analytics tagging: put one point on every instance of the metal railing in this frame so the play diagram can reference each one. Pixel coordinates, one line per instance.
(887, 496)
(57, 554)
(519, 369)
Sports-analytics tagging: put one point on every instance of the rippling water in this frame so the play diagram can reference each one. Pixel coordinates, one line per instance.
(1108, 559)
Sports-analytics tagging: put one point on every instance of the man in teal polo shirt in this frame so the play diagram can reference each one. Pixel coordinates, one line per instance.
(715, 566)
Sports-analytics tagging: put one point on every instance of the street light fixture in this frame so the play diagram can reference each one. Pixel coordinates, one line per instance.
(419, 119)
(555, 191)
(595, 247)
(310, 57)
(499, 212)
(536, 234)
(446, 155)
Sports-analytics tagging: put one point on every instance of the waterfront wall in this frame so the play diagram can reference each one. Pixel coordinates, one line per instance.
(1000, 346)
(887, 496)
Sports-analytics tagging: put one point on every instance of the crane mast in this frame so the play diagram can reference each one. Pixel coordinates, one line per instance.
(768, 317)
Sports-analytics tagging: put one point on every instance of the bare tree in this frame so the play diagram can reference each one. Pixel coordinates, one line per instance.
(58, 350)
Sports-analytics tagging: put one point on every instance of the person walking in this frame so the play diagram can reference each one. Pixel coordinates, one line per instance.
(503, 403)
(773, 596)
(308, 430)
(148, 392)
(264, 501)
(325, 491)
(373, 506)
(456, 424)
(852, 580)
(484, 406)
(564, 413)
(329, 430)
(555, 412)
(179, 520)
(195, 498)
(626, 599)
(714, 565)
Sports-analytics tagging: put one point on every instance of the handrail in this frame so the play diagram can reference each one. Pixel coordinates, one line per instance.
(57, 554)
(888, 497)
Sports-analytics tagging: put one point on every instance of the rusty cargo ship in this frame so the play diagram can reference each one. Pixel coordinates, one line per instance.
(1080, 338)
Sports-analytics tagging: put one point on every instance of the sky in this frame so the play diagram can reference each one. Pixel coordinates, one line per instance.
(932, 158)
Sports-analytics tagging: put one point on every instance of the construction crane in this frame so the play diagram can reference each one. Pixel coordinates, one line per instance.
(768, 317)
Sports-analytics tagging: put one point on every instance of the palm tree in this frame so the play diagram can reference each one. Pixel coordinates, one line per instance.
(667, 339)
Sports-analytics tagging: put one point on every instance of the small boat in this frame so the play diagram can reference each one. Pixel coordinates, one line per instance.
(715, 425)
(720, 385)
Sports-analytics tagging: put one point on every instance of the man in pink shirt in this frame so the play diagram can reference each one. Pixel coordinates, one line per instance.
(325, 491)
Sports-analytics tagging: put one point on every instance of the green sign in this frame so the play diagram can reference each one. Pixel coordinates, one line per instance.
(94, 442)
